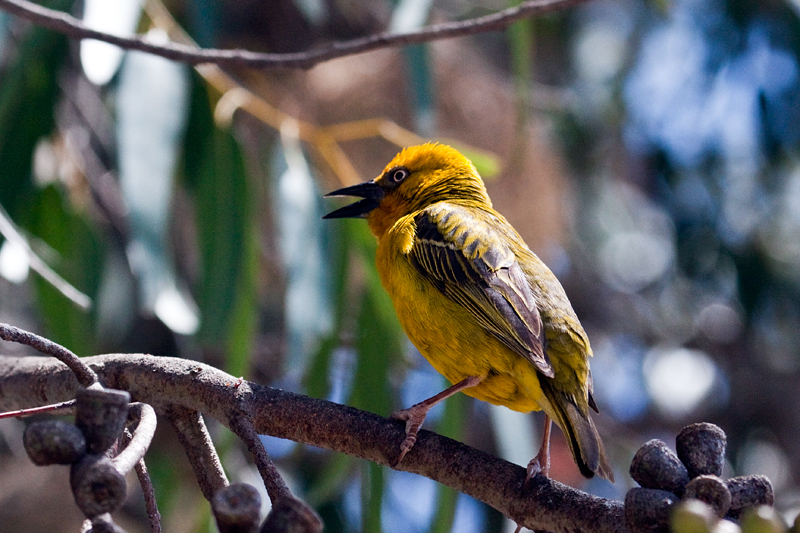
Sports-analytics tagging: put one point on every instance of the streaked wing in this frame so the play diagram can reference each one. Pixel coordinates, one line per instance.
(469, 262)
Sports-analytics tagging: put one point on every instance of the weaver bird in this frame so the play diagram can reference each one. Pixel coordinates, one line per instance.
(481, 307)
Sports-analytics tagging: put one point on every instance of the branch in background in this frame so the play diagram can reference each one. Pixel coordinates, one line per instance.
(74, 28)
(10, 232)
(167, 383)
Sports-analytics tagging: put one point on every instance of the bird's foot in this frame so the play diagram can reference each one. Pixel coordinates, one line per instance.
(414, 417)
(541, 463)
(538, 465)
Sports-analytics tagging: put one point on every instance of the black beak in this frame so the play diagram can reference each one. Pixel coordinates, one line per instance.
(370, 191)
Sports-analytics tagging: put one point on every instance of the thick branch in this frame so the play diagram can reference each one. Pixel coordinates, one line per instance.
(162, 381)
(72, 27)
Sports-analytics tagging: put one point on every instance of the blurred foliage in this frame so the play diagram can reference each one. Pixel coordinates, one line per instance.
(649, 154)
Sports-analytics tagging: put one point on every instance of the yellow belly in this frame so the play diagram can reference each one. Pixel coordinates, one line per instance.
(454, 343)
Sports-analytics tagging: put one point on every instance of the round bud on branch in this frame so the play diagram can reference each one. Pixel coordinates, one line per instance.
(648, 510)
(749, 491)
(54, 442)
(97, 485)
(701, 447)
(237, 508)
(655, 466)
(290, 515)
(711, 490)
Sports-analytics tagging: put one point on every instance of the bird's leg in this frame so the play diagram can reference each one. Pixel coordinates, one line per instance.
(541, 463)
(415, 415)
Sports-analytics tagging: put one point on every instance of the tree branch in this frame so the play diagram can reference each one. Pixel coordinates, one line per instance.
(199, 448)
(74, 28)
(274, 483)
(153, 516)
(163, 382)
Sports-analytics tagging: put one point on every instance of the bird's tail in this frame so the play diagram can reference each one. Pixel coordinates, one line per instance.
(584, 441)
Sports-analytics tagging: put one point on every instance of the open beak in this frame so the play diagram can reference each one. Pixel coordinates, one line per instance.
(372, 194)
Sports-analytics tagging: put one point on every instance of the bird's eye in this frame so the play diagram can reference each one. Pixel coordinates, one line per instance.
(396, 175)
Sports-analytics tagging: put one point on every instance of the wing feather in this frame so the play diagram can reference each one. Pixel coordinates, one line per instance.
(470, 262)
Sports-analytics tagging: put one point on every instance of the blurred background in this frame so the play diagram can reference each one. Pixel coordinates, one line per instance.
(646, 150)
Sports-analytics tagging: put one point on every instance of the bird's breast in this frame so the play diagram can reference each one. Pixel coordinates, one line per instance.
(448, 335)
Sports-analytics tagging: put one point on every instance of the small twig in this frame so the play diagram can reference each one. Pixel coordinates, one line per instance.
(72, 27)
(199, 448)
(83, 373)
(22, 413)
(10, 232)
(135, 449)
(276, 487)
(153, 516)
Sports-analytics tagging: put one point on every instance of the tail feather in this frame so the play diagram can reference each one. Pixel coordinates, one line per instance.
(584, 441)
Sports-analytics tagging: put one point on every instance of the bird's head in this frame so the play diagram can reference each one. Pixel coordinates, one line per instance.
(417, 177)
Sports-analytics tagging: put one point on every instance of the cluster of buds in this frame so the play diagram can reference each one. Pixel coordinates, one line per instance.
(685, 493)
(97, 475)
(110, 436)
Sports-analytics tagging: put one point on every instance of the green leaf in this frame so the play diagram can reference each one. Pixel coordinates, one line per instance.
(76, 254)
(28, 94)
(244, 317)
(317, 379)
(377, 344)
(393, 334)
(763, 519)
(223, 219)
(372, 485)
(215, 174)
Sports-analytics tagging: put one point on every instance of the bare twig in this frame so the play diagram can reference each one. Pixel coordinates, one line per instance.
(199, 448)
(164, 382)
(72, 27)
(85, 375)
(10, 232)
(276, 487)
(145, 415)
(68, 406)
(153, 516)
(140, 440)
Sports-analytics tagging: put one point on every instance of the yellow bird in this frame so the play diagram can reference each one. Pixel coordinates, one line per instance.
(481, 307)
